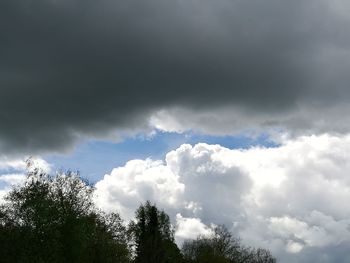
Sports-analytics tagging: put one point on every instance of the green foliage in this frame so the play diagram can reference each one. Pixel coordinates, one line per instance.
(153, 236)
(222, 247)
(52, 219)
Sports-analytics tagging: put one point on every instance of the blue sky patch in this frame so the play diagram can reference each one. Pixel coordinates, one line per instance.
(96, 158)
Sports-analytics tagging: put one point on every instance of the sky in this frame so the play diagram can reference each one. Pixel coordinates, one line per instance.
(231, 112)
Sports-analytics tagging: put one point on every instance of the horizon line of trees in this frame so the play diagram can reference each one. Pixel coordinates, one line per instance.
(53, 219)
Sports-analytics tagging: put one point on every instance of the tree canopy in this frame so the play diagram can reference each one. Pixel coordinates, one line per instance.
(153, 236)
(52, 219)
(222, 247)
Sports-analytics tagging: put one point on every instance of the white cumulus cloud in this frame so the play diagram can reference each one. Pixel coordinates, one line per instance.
(190, 228)
(291, 199)
(13, 172)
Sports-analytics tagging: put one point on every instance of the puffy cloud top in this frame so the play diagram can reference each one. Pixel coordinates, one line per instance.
(291, 199)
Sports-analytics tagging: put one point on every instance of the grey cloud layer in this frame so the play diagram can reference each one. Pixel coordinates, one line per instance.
(78, 68)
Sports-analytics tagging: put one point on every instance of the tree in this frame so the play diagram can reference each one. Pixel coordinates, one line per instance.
(219, 247)
(52, 219)
(222, 247)
(153, 236)
(261, 255)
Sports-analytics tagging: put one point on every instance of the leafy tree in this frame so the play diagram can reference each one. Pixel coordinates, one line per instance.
(219, 247)
(52, 219)
(261, 255)
(222, 247)
(153, 236)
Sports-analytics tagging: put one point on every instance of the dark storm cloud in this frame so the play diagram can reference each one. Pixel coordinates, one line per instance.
(76, 68)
